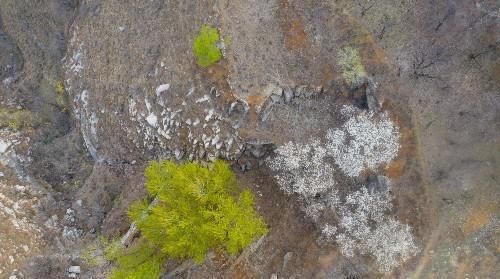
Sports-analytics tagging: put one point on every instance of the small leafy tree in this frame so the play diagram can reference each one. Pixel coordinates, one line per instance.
(197, 209)
(142, 260)
(353, 70)
(205, 46)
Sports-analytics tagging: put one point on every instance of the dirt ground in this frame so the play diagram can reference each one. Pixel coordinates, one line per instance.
(436, 66)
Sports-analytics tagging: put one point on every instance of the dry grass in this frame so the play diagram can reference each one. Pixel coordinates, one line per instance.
(478, 218)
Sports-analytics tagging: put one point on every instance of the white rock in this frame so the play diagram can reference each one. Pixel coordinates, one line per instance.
(203, 99)
(74, 269)
(218, 145)
(162, 88)
(4, 146)
(152, 120)
(196, 122)
(178, 154)
(148, 105)
(8, 81)
(215, 140)
(209, 115)
(165, 134)
(229, 144)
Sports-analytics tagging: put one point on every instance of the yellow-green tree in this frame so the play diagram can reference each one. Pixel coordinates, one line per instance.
(205, 46)
(197, 209)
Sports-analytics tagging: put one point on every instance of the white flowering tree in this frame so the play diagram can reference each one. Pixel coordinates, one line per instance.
(364, 227)
(302, 169)
(391, 243)
(363, 142)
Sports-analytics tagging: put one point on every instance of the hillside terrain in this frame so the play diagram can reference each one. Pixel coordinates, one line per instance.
(368, 131)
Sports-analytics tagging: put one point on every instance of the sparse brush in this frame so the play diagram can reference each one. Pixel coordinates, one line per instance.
(59, 87)
(61, 99)
(142, 260)
(100, 251)
(353, 70)
(15, 119)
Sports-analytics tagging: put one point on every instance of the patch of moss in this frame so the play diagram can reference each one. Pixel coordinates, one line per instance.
(89, 255)
(353, 70)
(228, 40)
(140, 261)
(205, 46)
(59, 87)
(48, 139)
(101, 251)
(15, 119)
(61, 101)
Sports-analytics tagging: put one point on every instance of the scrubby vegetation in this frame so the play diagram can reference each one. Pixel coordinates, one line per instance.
(59, 87)
(205, 46)
(100, 251)
(60, 96)
(353, 70)
(196, 209)
(143, 260)
(15, 119)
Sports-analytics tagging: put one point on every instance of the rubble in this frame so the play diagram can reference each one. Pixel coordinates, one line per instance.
(162, 88)
(287, 95)
(73, 271)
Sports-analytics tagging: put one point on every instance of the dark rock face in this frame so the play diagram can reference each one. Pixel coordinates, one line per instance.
(11, 59)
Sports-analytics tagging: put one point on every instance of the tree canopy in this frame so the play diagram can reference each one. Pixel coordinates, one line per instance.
(205, 46)
(197, 209)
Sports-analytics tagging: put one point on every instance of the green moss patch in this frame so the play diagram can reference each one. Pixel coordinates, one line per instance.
(15, 119)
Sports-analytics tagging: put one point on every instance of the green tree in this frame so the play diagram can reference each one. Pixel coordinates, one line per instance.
(205, 46)
(197, 209)
(353, 70)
